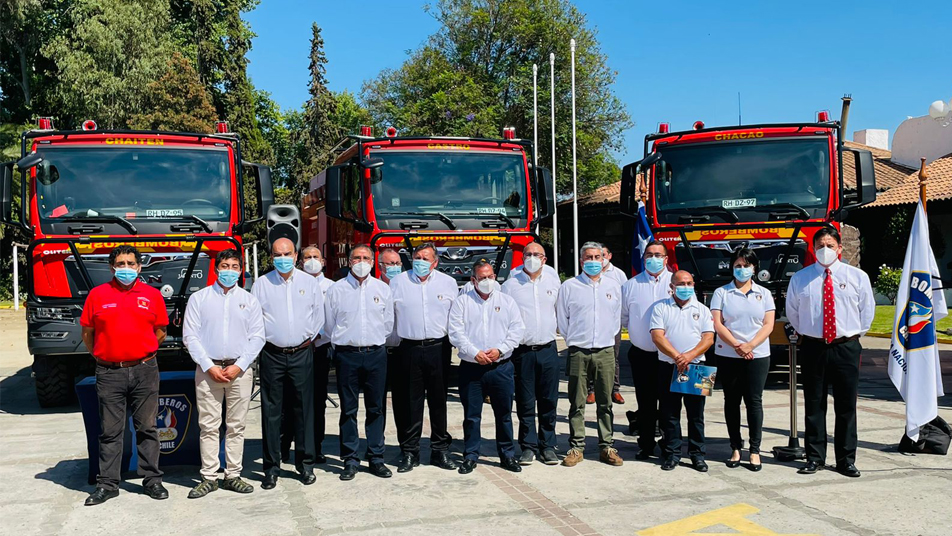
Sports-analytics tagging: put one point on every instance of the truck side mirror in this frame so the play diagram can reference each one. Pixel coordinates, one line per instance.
(865, 177)
(628, 181)
(264, 193)
(544, 192)
(333, 203)
(6, 193)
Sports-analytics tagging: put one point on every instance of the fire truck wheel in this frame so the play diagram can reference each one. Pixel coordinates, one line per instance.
(54, 382)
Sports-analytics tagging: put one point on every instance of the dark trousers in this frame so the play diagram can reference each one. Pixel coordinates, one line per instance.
(136, 388)
(537, 383)
(743, 379)
(644, 372)
(670, 417)
(291, 374)
(496, 381)
(420, 376)
(617, 386)
(361, 369)
(824, 365)
(322, 368)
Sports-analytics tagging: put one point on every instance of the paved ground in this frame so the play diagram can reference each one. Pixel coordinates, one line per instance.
(43, 475)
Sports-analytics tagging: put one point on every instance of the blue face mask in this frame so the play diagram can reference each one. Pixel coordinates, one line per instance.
(654, 264)
(421, 267)
(592, 268)
(126, 276)
(228, 278)
(393, 271)
(284, 264)
(684, 293)
(743, 273)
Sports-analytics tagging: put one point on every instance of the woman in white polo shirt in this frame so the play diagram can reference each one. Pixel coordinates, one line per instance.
(743, 319)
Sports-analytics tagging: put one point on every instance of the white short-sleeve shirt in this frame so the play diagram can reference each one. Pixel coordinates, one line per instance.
(683, 326)
(743, 314)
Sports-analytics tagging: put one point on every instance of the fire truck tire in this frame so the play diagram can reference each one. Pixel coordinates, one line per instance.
(54, 383)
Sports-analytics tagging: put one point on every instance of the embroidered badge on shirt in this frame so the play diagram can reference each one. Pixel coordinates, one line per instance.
(696, 316)
(376, 299)
(497, 308)
(842, 286)
(759, 297)
(301, 291)
(143, 302)
(241, 306)
(608, 295)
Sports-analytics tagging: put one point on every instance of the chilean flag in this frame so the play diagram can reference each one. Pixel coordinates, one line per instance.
(642, 236)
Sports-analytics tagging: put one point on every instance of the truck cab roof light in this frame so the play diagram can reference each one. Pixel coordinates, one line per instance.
(366, 131)
(391, 132)
(221, 127)
(663, 128)
(89, 124)
(698, 125)
(45, 123)
(823, 116)
(509, 133)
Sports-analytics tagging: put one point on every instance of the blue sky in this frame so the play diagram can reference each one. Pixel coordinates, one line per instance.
(676, 61)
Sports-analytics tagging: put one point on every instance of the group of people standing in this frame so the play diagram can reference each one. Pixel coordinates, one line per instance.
(399, 330)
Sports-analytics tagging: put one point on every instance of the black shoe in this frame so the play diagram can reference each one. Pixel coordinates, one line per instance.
(307, 477)
(755, 466)
(379, 469)
(320, 458)
(100, 495)
(441, 460)
(632, 417)
(733, 463)
(157, 491)
(510, 464)
(350, 471)
(468, 466)
(549, 457)
(810, 468)
(269, 482)
(699, 464)
(670, 464)
(849, 470)
(527, 457)
(407, 461)
(643, 455)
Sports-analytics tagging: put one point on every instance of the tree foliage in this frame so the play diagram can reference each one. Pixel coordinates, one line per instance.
(177, 101)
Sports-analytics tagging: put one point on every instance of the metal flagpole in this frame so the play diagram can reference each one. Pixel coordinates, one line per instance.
(555, 189)
(16, 278)
(254, 255)
(574, 165)
(535, 113)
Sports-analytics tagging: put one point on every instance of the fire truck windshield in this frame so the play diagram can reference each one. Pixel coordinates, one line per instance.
(750, 181)
(450, 183)
(134, 182)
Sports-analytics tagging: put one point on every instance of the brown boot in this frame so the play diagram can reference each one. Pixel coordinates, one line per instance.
(610, 456)
(573, 458)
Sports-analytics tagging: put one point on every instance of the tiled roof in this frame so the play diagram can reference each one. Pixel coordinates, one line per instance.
(938, 187)
(888, 173)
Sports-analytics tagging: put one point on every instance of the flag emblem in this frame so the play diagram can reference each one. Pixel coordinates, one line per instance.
(915, 329)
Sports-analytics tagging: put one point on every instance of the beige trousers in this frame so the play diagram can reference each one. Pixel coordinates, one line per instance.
(236, 397)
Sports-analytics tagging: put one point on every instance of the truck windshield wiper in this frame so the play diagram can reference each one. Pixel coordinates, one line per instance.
(442, 217)
(790, 206)
(106, 218)
(698, 212)
(192, 217)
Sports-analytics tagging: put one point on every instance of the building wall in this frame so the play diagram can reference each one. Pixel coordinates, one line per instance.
(920, 137)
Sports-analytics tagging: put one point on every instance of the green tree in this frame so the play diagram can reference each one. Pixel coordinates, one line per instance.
(176, 102)
(474, 76)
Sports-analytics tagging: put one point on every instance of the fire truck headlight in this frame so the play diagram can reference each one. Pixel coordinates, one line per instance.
(60, 314)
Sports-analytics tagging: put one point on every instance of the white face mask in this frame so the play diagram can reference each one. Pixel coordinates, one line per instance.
(361, 269)
(532, 264)
(313, 266)
(487, 286)
(605, 263)
(826, 256)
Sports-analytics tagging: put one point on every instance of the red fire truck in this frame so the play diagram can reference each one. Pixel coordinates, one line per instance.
(178, 197)
(710, 191)
(471, 197)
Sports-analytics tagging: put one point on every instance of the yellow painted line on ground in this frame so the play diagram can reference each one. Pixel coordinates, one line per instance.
(732, 517)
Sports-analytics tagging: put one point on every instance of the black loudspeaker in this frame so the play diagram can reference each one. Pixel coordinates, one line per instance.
(284, 221)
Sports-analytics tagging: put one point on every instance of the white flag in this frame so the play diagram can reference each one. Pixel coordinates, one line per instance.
(914, 354)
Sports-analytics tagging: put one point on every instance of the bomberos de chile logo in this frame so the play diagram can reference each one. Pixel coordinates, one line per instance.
(174, 414)
(915, 328)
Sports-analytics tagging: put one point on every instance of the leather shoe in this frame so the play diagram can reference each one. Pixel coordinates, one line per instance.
(590, 399)
(670, 464)
(441, 460)
(307, 477)
(733, 463)
(467, 467)
(511, 464)
(810, 468)
(379, 469)
(407, 461)
(100, 495)
(644, 454)
(617, 398)
(350, 471)
(269, 482)
(699, 464)
(157, 491)
(320, 458)
(849, 470)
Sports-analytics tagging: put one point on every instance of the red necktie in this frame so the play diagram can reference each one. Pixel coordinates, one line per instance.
(829, 309)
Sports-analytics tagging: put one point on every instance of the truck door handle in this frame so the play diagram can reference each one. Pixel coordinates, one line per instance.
(84, 229)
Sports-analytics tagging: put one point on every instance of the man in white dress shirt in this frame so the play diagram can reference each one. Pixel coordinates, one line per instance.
(831, 305)
(611, 271)
(223, 332)
(293, 308)
(358, 317)
(536, 360)
(314, 265)
(639, 294)
(485, 325)
(421, 302)
(589, 317)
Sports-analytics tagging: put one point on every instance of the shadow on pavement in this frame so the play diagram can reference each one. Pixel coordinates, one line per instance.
(18, 396)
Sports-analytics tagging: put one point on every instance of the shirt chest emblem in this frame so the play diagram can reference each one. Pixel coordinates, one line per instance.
(301, 292)
(549, 292)
(108, 305)
(608, 295)
(696, 316)
(842, 286)
(497, 308)
(143, 303)
(759, 297)
(376, 299)
(241, 306)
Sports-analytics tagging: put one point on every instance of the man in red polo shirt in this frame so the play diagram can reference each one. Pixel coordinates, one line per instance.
(124, 321)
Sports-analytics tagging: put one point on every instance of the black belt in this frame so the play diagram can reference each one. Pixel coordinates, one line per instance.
(494, 364)
(224, 362)
(423, 342)
(588, 350)
(537, 347)
(285, 349)
(836, 341)
(344, 348)
(124, 364)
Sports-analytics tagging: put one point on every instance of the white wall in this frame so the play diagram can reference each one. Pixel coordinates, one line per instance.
(873, 137)
(920, 137)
